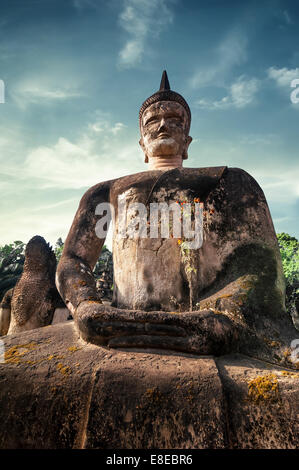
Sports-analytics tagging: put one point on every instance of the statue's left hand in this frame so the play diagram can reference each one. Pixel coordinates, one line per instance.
(202, 332)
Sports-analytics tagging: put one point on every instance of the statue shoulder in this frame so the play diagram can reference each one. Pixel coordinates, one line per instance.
(239, 180)
(97, 193)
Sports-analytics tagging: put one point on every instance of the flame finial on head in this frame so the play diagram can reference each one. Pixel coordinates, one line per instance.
(164, 85)
(165, 94)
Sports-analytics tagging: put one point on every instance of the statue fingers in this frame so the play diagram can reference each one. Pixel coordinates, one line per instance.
(147, 341)
(116, 328)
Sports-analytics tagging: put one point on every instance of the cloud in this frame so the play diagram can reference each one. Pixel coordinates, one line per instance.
(241, 94)
(287, 17)
(231, 52)
(84, 162)
(39, 91)
(278, 178)
(102, 125)
(43, 184)
(259, 139)
(283, 76)
(141, 20)
(281, 185)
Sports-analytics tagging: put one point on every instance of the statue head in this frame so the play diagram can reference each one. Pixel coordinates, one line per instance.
(164, 121)
(39, 253)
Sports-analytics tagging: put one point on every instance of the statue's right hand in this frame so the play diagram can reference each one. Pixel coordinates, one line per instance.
(201, 332)
(101, 324)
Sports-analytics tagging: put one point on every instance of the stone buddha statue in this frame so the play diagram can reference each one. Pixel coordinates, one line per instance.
(223, 294)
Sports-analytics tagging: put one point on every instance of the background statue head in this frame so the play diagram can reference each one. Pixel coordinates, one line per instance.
(40, 255)
(164, 121)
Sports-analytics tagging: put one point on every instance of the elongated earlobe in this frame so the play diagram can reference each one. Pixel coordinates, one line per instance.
(185, 152)
(143, 149)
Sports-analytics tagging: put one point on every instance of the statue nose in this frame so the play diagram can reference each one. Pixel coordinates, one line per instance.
(162, 126)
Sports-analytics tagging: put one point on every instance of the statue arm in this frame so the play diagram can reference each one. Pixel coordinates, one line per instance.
(74, 278)
(249, 287)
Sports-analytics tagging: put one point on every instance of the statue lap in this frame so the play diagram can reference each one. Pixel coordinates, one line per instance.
(70, 394)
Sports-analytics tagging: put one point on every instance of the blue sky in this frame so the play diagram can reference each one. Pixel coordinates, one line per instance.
(77, 71)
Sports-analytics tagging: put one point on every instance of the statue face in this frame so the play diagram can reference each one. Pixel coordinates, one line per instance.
(164, 130)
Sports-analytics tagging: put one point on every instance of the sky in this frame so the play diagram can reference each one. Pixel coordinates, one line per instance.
(74, 74)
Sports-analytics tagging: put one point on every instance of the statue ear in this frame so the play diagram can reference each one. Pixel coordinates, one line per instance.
(143, 149)
(185, 152)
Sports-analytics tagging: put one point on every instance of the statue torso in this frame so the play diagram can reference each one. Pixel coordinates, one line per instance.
(156, 273)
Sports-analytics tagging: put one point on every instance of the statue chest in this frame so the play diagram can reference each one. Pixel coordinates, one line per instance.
(153, 266)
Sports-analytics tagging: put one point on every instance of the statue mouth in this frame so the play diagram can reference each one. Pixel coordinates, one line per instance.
(163, 135)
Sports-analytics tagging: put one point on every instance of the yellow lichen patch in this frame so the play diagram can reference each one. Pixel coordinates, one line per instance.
(272, 343)
(13, 355)
(54, 356)
(224, 296)
(64, 370)
(289, 374)
(217, 312)
(263, 389)
(72, 349)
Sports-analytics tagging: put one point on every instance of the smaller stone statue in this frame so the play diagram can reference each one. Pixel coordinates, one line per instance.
(32, 302)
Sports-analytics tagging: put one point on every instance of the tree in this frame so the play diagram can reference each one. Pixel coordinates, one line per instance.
(11, 265)
(104, 261)
(289, 249)
(58, 249)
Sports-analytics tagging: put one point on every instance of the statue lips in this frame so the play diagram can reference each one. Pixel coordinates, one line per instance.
(163, 136)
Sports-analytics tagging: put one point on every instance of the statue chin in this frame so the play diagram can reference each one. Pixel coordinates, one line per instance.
(163, 148)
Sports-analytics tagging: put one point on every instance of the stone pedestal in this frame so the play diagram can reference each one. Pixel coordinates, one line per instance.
(58, 392)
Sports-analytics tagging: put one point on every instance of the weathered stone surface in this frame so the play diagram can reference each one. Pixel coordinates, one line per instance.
(265, 414)
(57, 391)
(157, 401)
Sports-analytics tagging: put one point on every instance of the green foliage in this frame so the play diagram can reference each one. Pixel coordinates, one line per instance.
(12, 257)
(11, 265)
(104, 262)
(58, 249)
(289, 249)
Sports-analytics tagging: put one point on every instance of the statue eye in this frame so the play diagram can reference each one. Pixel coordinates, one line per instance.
(152, 121)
